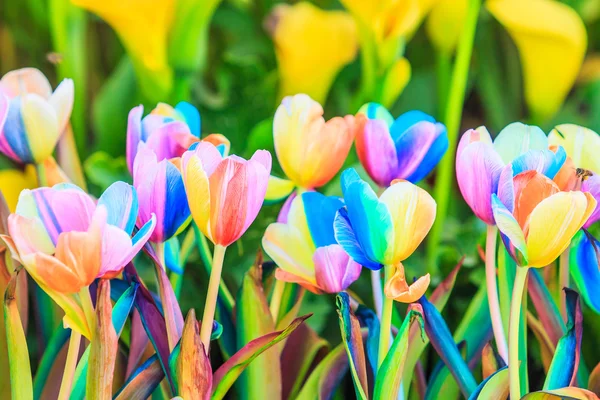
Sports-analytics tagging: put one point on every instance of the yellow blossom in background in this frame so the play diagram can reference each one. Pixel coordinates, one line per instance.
(552, 40)
(445, 23)
(13, 181)
(311, 46)
(143, 27)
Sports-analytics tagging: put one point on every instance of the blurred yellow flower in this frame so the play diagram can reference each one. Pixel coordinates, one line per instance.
(13, 181)
(143, 27)
(551, 39)
(311, 46)
(445, 23)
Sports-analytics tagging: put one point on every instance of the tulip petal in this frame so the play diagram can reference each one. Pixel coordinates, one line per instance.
(545, 162)
(581, 144)
(517, 138)
(320, 212)
(407, 120)
(278, 189)
(413, 144)
(41, 126)
(62, 103)
(171, 139)
(512, 234)
(548, 237)
(376, 151)
(344, 235)
(592, 185)
(585, 267)
(15, 142)
(258, 169)
(378, 112)
(289, 249)
(370, 219)
(29, 235)
(530, 188)
(398, 289)
(191, 117)
(412, 211)
(121, 202)
(481, 134)
(134, 134)
(433, 156)
(197, 189)
(478, 170)
(177, 212)
(26, 80)
(334, 269)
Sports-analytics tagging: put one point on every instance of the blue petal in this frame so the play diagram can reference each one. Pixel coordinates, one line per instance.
(191, 115)
(543, 161)
(15, 133)
(344, 235)
(172, 255)
(320, 212)
(433, 156)
(408, 119)
(177, 212)
(585, 268)
(121, 202)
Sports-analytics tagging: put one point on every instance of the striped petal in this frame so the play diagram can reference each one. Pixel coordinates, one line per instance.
(585, 267)
(376, 150)
(170, 140)
(512, 234)
(320, 212)
(480, 134)
(41, 126)
(121, 202)
(290, 250)
(554, 222)
(592, 185)
(530, 189)
(345, 236)
(581, 144)
(197, 189)
(334, 269)
(412, 211)
(478, 170)
(177, 212)
(517, 138)
(29, 235)
(134, 134)
(545, 162)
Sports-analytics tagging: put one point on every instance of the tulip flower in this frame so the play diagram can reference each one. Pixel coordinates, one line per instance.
(143, 27)
(224, 195)
(305, 249)
(445, 24)
(385, 231)
(300, 133)
(32, 118)
(581, 144)
(159, 185)
(552, 40)
(311, 46)
(407, 148)
(167, 131)
(65, 240)
(537, 222)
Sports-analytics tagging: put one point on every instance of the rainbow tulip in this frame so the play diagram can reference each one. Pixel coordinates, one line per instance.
(305, 249)
(167, 131)
(407, 148)
(581, 144)
(224, 194)
(300, 133)
(159, 185)
(32, 118)
(385, 231)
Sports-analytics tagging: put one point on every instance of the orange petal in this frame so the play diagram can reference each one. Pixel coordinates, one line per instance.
(531, 188)
(397, 288)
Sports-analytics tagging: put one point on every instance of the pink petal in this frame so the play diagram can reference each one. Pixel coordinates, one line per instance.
(334, 269)
(592, 185)
(377, 152)
(207, 153)
(134, 134)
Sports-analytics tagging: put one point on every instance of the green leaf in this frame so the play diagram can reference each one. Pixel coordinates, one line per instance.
(494, 387)
(18, 354)
(55, 345)
(103, 170)
(226, 375)
(389, 376)
(572, 393)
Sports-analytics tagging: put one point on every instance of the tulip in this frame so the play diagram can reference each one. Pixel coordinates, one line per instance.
(159, 185)
(65, 240)
(537, 222)
(305, 249)
(552, 40)
(407, 148)
(32, 118)
(224, 195)
(300, 133)
(143, 27)
(167, 131)
(581, 144)
(385, 231)
(14, 181)
(445, 24)
(311, 46)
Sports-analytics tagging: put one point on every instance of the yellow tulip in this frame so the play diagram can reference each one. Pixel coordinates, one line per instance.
(311, 46)
(445, 23)
(13, 181)
(581, 144)
(551, 40)
(143, 27)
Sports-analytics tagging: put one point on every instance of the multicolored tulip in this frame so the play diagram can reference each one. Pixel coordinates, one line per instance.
(385, 231)
(32, 117)
(224, 194)
(305, 248)
(536, 219)
(159, 185)
(542, 29)
(167, 131)
(406, 148)
(311, 46)
(300, 133)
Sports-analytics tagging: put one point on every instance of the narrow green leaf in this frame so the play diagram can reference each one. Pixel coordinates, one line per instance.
(494, 387)
(55, 345)
(571, 393)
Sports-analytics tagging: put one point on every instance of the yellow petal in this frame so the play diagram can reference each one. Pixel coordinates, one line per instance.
(278, 189)
(552, 40)
(445, 24)
(311, 46)
(197, 189)
(553, 223)
(413, 211)
(41, 126)
(297, 219)
(13, 181)
(395, 81)
(581, 144)
(288, 248)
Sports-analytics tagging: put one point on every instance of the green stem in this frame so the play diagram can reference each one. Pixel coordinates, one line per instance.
(444, 72)
(40, 169)
(160, 254)
(452, 118)
(492, 289)
(563, 279)
(211, 296)
(385, 332)
(368, 58)
(184, 253)
(70, 364)
(513, 335)
(276, 299)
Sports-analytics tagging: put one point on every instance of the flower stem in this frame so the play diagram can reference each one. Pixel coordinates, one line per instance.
(452, 118)
(385, 332)
(160, 254)
(70, 364)
(211, 296)
(276, 299)
(492, 289)
(377, 292)
(513, 334)
(563, 279)
(40, 170)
